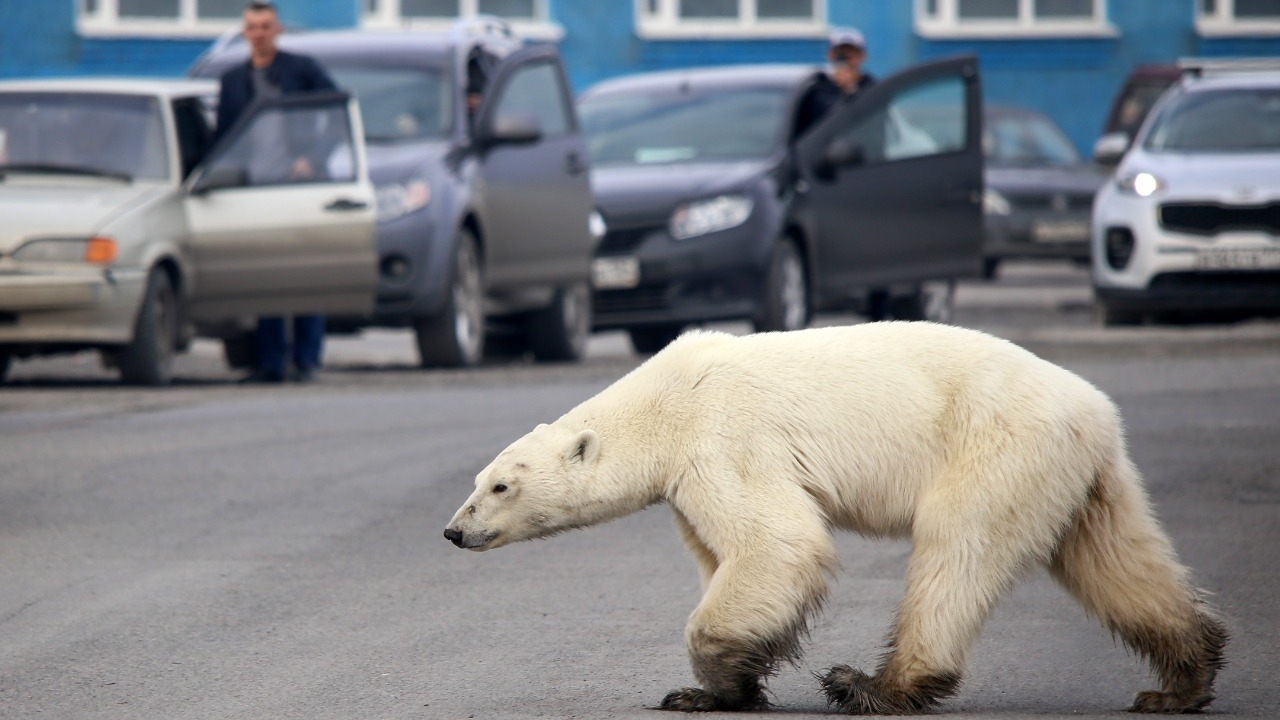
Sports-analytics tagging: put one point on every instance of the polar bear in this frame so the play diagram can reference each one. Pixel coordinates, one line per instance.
(989, 458)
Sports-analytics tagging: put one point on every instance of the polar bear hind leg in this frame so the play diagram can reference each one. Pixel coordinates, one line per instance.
(1120, 565)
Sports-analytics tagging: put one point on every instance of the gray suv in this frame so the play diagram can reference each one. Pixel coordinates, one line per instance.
(483, 194)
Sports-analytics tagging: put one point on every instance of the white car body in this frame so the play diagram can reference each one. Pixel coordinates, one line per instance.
(1205, 224)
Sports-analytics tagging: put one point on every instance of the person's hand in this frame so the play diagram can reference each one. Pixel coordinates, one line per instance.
(302, 170)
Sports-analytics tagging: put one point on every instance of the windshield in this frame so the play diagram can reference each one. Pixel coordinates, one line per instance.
(1229, 120)
(1026, 141)
(399, 104)
(639, 128)
(83, 133)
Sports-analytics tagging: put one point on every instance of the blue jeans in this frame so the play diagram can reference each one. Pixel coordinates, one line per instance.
(272, 340)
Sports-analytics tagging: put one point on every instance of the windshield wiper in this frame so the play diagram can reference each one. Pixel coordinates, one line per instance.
(52, 169)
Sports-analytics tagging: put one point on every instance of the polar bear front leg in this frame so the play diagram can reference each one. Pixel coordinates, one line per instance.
(770, 576)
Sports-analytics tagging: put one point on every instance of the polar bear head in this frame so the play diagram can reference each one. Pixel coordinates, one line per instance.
(535, 488)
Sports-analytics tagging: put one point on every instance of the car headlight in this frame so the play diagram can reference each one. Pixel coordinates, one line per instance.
(1142, 184)
(596, 225)
(399, 199)
(993, 203)
(96, 250)
(707, 216)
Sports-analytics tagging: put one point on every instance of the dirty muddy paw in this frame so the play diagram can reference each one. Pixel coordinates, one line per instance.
(689, 699)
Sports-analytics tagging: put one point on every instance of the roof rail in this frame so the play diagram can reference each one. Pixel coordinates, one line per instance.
(476, 25)
(1200, 67)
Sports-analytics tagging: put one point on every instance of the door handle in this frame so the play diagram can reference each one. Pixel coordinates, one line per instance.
(573, 164)
(346, 205)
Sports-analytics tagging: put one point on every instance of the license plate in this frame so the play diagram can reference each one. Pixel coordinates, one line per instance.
(615, 273)
(1060, 230)
(1260, 259)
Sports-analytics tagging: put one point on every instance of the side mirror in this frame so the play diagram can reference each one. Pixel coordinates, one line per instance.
(513, 130)
(839, 153)
(1110, 148)
(220, 178)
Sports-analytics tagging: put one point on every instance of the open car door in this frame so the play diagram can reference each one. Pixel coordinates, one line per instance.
(893, 180)
(281, 214)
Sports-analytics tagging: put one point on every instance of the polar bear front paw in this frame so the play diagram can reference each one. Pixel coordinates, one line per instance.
(852, 691)
(1150, 701)
(690, 699)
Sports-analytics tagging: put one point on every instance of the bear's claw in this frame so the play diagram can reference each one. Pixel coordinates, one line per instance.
(1150, 701)
(854, 692)
(689, 699)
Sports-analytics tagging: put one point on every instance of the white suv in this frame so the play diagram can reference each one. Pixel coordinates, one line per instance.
(1189, 227)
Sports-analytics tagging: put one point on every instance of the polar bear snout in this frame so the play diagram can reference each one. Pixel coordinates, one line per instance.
(453, 536)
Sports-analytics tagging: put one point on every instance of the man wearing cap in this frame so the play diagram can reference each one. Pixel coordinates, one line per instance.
(846, 50)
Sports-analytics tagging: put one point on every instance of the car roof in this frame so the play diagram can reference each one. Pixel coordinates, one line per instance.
(757, 75)
(163, 87)
(1243, 79)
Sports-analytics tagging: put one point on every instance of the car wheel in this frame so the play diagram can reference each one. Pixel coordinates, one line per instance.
(786, 293)
(6, 361)
(559, 332)
(240, 352)
(652, 338)
(990, 268)
(148, 359)
(1116, 317)
(934, 301)
(455, 337)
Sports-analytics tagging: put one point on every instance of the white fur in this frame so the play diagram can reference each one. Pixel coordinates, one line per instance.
(980, 452)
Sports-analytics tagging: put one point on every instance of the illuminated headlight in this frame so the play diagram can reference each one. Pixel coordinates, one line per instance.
(596, 225)
(96, 250)
(1142, 184)
(400, 199)
(707, 216)
(993, 203)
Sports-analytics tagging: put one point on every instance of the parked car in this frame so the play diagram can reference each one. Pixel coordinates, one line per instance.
(123, 231)
(1039, 190)
(1130, 107)
(718, 209)
(483, 219)
(1187, 229)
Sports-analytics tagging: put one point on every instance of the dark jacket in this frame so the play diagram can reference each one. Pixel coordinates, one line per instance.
(822, 97)
(291, 73)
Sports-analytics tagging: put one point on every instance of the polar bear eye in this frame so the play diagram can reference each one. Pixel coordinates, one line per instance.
(499, 488)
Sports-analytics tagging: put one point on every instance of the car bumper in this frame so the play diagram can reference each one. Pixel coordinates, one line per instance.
(1171, 271)
(89, 307)
(1062, 235)
(711, 278)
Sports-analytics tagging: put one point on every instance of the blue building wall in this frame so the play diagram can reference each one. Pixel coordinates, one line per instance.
(1072, 80)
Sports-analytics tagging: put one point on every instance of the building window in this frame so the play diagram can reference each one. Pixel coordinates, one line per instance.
(731, 18)
(158, 17)
(1012, 18)
(1238, 17)
(527, 17)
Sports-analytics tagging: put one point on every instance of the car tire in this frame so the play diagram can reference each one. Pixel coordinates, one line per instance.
(240, 351)
(1116, 317)
(785, 301)
(559, 332)
(148, 358)
(933, 301)
(6, 361)
(455, 337)
(990, 268)
(649, 339)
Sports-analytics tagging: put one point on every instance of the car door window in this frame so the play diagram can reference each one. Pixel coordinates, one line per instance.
(536, 91)
(286, 142)
(194, 132)
(927, 119)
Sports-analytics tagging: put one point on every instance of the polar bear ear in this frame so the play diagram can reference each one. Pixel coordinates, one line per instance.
(583, 448)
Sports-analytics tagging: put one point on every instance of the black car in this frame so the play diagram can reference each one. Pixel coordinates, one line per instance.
(484, 215)
(719, 208)
(1039, 191)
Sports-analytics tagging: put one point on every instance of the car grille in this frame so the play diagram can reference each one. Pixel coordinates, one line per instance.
(1058, 202)
(624, 240)
(641, 299)
(1213, 218)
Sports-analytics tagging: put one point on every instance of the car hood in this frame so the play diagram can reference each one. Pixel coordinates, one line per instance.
(1224, 177)
(636, 192)
(63, 209)
(1082, 179)
(398, 163)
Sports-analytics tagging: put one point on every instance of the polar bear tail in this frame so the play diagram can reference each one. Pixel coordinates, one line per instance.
(1118, 562)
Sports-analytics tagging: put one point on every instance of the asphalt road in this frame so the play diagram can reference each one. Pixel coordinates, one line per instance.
(217, 551)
